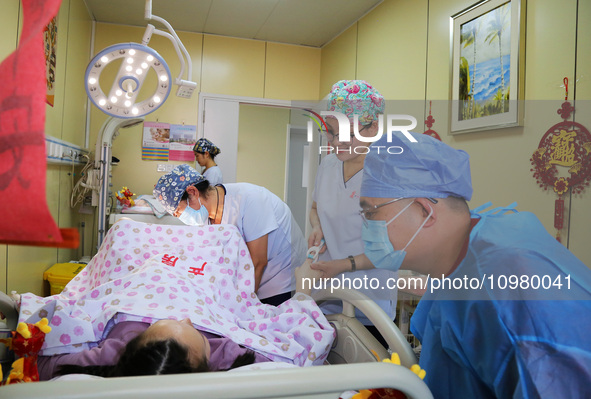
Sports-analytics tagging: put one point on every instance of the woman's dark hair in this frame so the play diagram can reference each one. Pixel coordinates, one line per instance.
(211, 155)
(203, 187)
(245, 359)
(151, 358)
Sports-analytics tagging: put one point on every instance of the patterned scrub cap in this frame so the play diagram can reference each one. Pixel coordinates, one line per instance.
(356, 97)
(204, 145)
(171, 187)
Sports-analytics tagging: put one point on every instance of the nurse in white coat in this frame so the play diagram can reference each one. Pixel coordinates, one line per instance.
(274, 240)
(335, 211)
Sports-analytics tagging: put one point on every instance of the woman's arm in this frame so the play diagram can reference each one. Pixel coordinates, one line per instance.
(258, 253)
(333, 268)
(305, 277)
(106, 353)
(317, 234)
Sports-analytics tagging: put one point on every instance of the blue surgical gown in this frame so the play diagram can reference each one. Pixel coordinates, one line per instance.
(492, 341)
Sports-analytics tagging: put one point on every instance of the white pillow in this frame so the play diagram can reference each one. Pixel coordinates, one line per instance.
(76, 377)
(265, 366)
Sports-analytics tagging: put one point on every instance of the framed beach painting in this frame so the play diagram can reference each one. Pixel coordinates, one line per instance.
(487, 66)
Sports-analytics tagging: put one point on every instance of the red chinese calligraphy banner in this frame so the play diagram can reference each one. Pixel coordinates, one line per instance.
(25, 216)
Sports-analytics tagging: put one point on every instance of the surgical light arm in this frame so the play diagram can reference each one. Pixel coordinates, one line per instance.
(186, 87)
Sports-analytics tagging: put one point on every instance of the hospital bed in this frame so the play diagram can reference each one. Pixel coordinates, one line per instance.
(351, 365)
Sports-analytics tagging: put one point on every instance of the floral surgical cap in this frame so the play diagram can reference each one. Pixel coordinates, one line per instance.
(204, 145)
(171, 187)
(356, 97)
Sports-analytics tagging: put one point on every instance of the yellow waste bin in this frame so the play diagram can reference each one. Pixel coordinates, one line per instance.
(60, 274)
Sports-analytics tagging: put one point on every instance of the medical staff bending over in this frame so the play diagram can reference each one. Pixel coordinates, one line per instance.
(274, 239)
(507, 311)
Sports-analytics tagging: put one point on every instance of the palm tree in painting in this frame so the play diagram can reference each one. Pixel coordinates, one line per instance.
(499, 99)
(468, 36)
(495, 28)
(464, 88)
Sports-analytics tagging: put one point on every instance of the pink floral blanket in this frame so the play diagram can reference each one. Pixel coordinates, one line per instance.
(146, 272)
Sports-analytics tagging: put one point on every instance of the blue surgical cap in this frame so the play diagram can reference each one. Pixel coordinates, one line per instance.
(428, 168)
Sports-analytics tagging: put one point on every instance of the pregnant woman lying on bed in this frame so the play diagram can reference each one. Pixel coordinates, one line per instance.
(162, 299)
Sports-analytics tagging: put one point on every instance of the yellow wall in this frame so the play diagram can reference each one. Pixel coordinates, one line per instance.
(403, 48)
(292, 72)
(580, 220)
(22, 267)
(339, 60)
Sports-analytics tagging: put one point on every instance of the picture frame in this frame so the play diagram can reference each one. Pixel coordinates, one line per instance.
(487, 66)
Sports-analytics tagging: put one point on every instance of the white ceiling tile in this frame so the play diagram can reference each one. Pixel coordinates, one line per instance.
(303, 22)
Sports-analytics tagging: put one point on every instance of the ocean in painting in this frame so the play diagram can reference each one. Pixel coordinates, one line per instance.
(488, 78)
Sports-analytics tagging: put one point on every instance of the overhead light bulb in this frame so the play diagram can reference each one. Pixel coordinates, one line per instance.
(150, 58)
(163, 78)
(102, 102)
(130, 60)
(139, 71)
(156, 99)
(134, 111)
(129, 68)
(127, 103)
(132, 52)
(113, 99)
(144, 65)
(92, 81)
(118, 92)
(104, 58)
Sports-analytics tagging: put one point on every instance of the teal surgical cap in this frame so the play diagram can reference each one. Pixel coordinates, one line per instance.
(428, 168)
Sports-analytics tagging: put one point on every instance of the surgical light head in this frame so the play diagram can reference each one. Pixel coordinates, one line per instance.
(136, 62)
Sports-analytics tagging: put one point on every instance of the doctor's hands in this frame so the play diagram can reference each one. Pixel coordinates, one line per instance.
(331, 268)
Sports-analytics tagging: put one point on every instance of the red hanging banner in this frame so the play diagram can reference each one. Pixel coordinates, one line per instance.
(25, 216)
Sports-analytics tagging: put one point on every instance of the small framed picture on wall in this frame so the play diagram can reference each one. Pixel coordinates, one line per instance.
(487, 66)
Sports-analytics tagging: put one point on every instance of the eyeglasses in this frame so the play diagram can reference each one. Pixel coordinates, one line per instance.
(367, 214)
(330, 135)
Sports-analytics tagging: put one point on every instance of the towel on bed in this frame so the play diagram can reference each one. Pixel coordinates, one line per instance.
(146, 272)
(156, 206)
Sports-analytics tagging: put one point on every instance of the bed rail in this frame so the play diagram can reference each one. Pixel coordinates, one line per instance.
(321, 382)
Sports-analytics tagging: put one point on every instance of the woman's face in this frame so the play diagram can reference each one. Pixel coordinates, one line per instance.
(352, 148)
(200, 158)
(184, 333)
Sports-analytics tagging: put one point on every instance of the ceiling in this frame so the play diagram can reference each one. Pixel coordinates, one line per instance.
(303, 22)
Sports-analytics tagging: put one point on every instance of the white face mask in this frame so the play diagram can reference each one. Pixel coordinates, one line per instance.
(193, 217)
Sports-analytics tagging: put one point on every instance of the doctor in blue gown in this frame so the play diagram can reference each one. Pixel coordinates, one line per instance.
(507, 313)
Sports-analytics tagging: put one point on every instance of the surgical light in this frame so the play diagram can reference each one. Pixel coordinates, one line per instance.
(136, 61)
